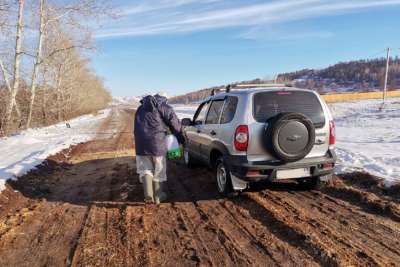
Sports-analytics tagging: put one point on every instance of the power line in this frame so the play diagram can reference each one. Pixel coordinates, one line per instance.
(386, 73)
(381, 52)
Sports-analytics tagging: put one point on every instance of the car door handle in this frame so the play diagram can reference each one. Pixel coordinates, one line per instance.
(213, 133)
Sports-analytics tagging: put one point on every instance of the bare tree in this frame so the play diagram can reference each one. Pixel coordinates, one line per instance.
(17, 63)
(38, 59)
(52, 16)
(57, 68)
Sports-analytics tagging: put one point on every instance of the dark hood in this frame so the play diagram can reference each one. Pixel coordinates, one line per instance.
(150, 103)
(161, 100)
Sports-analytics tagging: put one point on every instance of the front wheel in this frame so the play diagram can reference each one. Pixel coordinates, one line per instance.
(188, 159)
(223, 177)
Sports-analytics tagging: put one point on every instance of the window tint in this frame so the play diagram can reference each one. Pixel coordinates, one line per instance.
(270, 104)
(201, 113)
(229, 109)
(214, 112)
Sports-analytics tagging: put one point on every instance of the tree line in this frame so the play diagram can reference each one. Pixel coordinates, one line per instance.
(45, 74)
(199, 95)
(360, 75)
(357, 76)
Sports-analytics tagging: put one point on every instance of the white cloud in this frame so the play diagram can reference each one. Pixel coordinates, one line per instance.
(155, 17)
(277, 34)
(156, 5)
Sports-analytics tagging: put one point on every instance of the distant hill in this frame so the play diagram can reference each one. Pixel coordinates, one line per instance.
(353, 76)
(203, 93)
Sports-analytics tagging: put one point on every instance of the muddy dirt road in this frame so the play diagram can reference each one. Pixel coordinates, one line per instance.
(84, 208)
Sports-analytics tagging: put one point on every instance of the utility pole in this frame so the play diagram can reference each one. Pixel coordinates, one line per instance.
(386, 74)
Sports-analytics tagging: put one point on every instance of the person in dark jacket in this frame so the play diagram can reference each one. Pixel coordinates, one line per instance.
(153, 119)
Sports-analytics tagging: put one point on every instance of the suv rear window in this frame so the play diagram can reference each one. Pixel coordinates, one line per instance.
(269, 104)
(229, 110)
(214, 112)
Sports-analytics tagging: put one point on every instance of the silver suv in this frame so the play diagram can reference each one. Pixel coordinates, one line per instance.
(255, 134)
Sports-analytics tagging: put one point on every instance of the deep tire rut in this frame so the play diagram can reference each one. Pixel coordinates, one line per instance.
(84, 207)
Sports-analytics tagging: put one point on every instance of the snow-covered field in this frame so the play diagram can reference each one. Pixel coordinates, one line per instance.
(30, 148)
(368, 139)
(185, 111)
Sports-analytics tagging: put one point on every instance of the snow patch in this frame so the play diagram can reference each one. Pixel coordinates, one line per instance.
(185, 111)
(28, 149)
(126, 101)
(368, 138)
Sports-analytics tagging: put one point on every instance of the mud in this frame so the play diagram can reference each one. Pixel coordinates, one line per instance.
(84, 207)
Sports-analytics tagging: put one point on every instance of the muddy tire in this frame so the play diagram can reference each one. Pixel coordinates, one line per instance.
(188, 159)
(312, 183)
(223, 178)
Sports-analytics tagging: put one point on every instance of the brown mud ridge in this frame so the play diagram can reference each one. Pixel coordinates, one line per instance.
(84, 208)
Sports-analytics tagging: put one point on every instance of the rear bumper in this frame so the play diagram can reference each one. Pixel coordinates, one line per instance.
(240, 166)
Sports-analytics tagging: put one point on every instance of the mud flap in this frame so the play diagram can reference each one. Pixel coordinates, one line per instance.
(238, 184)
(326, 178)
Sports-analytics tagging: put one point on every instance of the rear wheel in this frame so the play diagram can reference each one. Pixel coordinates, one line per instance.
(309, 183)
(312, 183)
(223, 177)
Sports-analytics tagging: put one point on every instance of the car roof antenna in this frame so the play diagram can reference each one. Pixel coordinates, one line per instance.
(213, 92)
(228, 88)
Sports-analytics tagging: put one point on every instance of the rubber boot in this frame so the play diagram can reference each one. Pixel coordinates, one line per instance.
(148, 189)
(160, 194)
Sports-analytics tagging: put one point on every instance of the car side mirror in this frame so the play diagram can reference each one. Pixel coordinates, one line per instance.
(187, 122)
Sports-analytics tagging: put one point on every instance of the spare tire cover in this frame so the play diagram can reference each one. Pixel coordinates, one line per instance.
(290, 136)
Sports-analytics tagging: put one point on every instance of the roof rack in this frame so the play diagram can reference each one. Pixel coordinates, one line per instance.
(264, 85)
(231, 87)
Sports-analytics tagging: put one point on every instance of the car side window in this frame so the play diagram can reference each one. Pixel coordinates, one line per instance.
(229, 109)
(201, 113)
(215, 112)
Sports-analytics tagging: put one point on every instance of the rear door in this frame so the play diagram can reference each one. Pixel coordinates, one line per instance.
(267, 105)
(212, 127)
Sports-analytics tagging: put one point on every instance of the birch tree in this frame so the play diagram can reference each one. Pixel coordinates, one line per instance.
(38, 58)
(59, 35)
(52, 15)
(17, 64)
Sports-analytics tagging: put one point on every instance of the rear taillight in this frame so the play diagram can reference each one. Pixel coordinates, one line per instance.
(242, 138)
(332, 133)
(253, 173)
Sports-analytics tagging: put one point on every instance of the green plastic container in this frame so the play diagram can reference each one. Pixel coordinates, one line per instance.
(174, 154)
(174, 151)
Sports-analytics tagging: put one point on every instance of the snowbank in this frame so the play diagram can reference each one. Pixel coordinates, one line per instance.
(30, 148)
(368, 138)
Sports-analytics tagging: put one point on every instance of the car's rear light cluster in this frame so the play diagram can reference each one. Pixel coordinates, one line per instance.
(253, 173)
(332, 133)
(241, 138)
(327, 166)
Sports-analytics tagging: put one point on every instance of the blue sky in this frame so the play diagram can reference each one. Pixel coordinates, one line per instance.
(177, 46)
